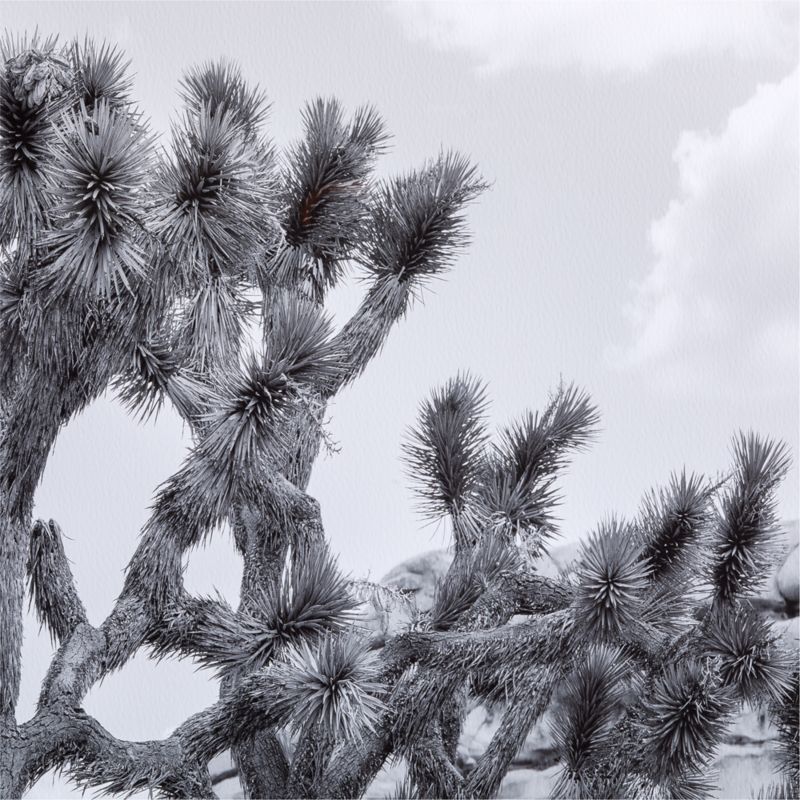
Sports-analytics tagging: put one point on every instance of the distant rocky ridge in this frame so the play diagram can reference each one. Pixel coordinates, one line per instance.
(744, 762)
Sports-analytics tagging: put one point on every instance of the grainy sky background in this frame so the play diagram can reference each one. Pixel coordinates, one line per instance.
(640, 238)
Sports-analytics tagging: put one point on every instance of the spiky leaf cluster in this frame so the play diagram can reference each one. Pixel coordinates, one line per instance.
(327, 180)
(218, 88)
(299, 357)
(417, 223)
(100, 75)
(517, 492)
(332, 684)
(539, 445)
(444, 451)
(749, 657)
(34, 83)
(591, 702)
(312, 598)
(469, 578)
(154, 372)
(100, 165)
(696, 783)
(611, 578)
(216, 189)
(673, 522)
(685, 713)
(744, 540)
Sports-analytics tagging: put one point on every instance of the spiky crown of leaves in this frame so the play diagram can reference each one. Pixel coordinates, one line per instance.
(507, 486)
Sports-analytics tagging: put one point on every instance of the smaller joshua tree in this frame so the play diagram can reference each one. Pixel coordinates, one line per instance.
(144, 269)
(652, 647)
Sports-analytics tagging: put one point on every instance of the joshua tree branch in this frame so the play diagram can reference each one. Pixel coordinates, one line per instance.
(363, 336)
(518, 593)
(445, 660)
(74, 741)
(62, 735)
(524, 707)
(51, 584)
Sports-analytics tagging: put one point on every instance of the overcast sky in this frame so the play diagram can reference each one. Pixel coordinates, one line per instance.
(640, 238)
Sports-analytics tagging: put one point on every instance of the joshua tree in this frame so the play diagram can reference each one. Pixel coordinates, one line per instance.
(148, 269)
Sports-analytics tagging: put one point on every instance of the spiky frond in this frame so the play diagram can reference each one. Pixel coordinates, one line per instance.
(750, 658)
(468, 578)
(591, 702)
(313, 597)
(100, 75)
(310, 600)
(299, 342)
(443, 453)
(215, 189)
(779, 790)
(611, 577)
(218, 88)
(34, 81)
(538, 445)
(244, 423)
(154, 373)
(668, 610)
(606, 781)
(100, 166)
(692, 784)
(327, 179)
(332, 683)
(745, 535)
(685, 713)
(515, 511)
(417, 225)
(518, 490)
(299, 357)
(673, 524)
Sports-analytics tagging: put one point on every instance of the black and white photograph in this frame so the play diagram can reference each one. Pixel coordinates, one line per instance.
(400, 399)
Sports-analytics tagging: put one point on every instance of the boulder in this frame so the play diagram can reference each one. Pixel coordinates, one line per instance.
(771, 595)
(537, 752)
(789, 629)
(417, 577)
(532, 784)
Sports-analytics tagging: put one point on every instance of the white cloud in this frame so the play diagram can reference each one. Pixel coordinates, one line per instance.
(601, 36)
(720, 302)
